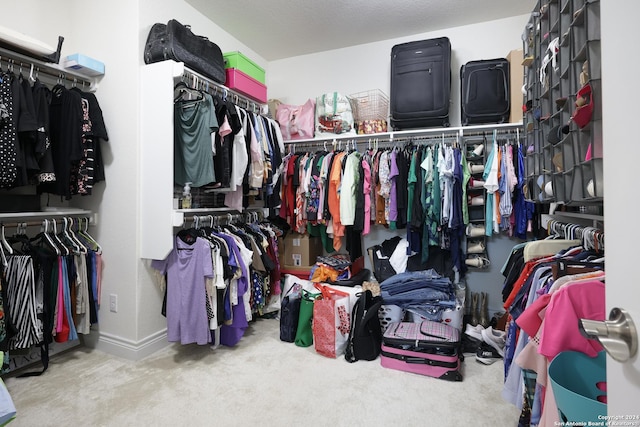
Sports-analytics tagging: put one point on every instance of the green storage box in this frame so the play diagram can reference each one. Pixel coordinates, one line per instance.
(239, 61)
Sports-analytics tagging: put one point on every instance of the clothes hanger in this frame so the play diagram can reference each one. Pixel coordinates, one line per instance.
(81, 246)
(67, 236)
(184, 94)
(84, 232)
(44, 233)
(6, 244)
(56, 238)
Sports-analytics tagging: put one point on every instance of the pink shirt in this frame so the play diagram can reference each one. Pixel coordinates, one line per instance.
(584, 300)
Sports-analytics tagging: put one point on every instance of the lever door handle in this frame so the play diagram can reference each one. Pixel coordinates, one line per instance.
(618, 335)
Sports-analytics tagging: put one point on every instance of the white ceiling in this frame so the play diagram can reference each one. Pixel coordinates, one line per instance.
(277, 29)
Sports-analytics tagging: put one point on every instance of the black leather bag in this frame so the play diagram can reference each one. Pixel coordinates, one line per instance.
(176, 41)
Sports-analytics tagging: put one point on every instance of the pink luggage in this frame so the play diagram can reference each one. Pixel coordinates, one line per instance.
(426, 348)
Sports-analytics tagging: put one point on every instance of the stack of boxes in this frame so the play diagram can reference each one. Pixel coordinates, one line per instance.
(245, 76)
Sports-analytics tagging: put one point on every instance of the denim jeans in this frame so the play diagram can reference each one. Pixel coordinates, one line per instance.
(415, 280)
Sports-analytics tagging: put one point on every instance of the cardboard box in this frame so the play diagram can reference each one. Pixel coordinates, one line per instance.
(301, 250)
(516, 73)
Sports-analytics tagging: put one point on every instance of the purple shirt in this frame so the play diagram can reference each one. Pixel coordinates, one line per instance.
(186, 268)
(230, 335)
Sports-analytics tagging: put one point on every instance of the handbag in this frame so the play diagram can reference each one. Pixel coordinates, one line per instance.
(289, 315)
(334, 114)
(304, 333)
(331, 321)
(382, 268)
(296, 121)
(176, 41)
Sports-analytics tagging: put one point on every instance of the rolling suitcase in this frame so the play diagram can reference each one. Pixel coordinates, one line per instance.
(420, 83)
(484, 92)
(426, 348)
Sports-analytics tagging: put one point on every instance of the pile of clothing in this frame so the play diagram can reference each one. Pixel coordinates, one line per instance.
(425, 294)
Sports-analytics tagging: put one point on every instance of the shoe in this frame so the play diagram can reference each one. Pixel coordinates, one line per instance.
(478, 150)
(476, 201)
(495, 339)
(476, 168)
(474, 310)
(477, 261)
(487, 355)
(475, 230)
(474, 331)
(475, 247)
(476, 183)
(470, 345)
(484, 309)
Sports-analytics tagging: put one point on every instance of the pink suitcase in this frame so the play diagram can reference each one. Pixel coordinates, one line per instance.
(426, 348)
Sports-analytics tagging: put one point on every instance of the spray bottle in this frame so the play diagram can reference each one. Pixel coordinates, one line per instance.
(186, 196)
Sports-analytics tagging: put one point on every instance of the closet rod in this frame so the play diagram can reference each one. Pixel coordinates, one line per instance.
(198, 81)
(592, 238)
(203, 220)
(39, 223)
(13, 60)
(435, 132)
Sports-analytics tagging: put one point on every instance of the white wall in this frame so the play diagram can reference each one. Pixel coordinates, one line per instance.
(114, 201)
(364, 67)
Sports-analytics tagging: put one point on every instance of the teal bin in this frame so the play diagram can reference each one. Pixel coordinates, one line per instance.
(577, 381)
(240, 62)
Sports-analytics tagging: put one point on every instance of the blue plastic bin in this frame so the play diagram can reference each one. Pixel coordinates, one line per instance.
(574, 378)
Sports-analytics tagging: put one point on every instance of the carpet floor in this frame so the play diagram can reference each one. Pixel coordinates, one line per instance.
(260, 382)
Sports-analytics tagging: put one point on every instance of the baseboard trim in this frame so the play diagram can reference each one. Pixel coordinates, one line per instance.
(129, 349)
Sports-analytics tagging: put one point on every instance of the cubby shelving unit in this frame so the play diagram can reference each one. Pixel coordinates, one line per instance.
(565, 170)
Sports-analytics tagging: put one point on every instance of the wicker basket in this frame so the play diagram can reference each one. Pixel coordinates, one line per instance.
(370, 105)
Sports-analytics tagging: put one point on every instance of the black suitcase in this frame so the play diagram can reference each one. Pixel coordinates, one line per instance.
(420, 83)
(176, 41)
(484, 92)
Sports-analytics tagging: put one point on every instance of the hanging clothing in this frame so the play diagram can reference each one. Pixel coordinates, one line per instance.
(187, 267)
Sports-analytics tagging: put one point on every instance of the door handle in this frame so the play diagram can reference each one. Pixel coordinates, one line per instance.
(618, 335)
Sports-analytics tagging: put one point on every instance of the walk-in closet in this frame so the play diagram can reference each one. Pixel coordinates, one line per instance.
(270, 236)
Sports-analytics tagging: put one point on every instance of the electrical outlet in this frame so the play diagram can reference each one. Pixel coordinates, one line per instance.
(113, 303)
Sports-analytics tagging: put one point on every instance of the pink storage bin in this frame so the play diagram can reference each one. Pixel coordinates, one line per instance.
(240, 82)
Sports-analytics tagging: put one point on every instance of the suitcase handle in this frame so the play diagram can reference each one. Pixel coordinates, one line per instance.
(421, 360)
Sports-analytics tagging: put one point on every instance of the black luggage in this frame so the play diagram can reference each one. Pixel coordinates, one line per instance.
(420, 83)
(484, 92)
(176, 41)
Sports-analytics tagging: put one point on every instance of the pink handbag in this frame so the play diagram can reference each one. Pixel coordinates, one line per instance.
(297, 121)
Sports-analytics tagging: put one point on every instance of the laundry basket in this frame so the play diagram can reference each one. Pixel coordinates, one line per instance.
(577, 381)
(390, 314)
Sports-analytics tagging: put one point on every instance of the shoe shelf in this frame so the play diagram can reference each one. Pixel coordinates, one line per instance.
(476, 240)
(566, 169)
